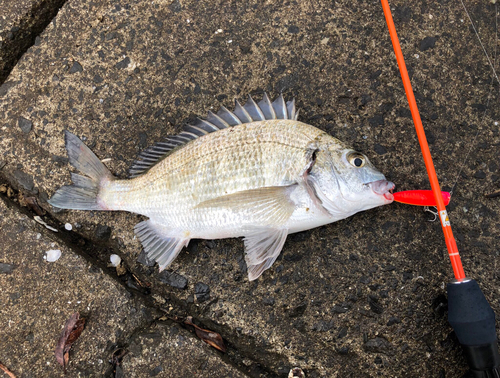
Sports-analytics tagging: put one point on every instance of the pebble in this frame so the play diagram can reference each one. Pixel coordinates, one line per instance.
(6, 268)
(76, 67)
(25, 124)
(102, 233)
(25, 179)
(52, 255)
(173, 279)
(378, 345)
(123, 63)
(379, 149)
(68, 226)
(427, 43)
(145, 260)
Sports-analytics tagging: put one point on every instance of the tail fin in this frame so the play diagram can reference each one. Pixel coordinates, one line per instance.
(83, 194)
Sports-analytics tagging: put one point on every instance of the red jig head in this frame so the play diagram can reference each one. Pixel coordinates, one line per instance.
(420, 197)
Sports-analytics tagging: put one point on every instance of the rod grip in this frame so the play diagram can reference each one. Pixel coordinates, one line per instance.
(473, 320)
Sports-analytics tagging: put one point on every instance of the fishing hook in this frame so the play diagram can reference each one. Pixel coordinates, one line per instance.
(435, 213)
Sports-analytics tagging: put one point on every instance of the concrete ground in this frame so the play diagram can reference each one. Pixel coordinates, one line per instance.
(363, 297)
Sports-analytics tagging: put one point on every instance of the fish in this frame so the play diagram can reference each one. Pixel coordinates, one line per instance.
(254, 172)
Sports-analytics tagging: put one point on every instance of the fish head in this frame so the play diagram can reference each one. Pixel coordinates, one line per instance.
(345, 181)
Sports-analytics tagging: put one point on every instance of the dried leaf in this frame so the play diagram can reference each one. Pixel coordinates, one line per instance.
(118, 355)
(7, 371)
(71, 332)
(116, 360)
(211, 338)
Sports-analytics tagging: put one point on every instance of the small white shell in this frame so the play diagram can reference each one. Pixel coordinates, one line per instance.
(68, 226)
(115, 260)
(52, 255)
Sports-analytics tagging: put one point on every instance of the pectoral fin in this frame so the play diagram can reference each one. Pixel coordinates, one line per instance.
(269, 206)
(266, 211)
(262, 248)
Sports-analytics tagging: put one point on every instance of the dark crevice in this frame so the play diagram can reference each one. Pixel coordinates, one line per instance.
(21, 36)
(97, 254)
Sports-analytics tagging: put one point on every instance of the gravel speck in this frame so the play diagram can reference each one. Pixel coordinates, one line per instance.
(76, 67)
(102, 233)
(379, 149)
(173, 279)
(6, 268)
(202, 292)
(25, 124)
(427, 43)
(144, 259)
(24, 179)
(123, 63)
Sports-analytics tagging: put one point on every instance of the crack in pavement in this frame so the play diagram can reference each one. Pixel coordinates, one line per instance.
(21, 35)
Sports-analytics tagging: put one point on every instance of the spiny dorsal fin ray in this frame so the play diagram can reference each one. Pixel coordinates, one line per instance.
(241, 113)
(267, 108)
(250, 112)
(279, 107)
(231, 118)
(254, 110)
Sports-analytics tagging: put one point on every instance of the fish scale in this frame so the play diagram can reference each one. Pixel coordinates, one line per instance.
(245, 173)
(241, 158)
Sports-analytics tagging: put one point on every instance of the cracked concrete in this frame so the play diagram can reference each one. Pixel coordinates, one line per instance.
(21, 21)
(362, 297)
(38, 296)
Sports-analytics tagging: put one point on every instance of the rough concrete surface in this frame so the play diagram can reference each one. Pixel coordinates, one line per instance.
(38, 296)
(359, 298)
(20, 23)
(150, 354)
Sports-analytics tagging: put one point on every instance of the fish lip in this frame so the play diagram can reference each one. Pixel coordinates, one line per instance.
(383, 188)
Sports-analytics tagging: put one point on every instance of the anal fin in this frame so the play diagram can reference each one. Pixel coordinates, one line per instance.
(262, 248)
(158, 245)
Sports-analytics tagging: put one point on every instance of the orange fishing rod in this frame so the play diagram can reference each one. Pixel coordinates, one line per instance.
(451, 244)
(469, 313)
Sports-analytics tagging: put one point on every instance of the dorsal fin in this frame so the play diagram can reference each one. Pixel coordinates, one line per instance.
(250, 112)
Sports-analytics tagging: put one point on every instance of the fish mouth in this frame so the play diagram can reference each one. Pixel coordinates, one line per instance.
(383, 188)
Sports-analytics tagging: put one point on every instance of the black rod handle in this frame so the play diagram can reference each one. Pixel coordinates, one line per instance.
(473, 320)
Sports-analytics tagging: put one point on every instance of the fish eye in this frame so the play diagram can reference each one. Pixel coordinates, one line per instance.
(356, 160)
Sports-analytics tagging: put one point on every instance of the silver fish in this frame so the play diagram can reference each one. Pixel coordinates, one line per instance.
(254, 172)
